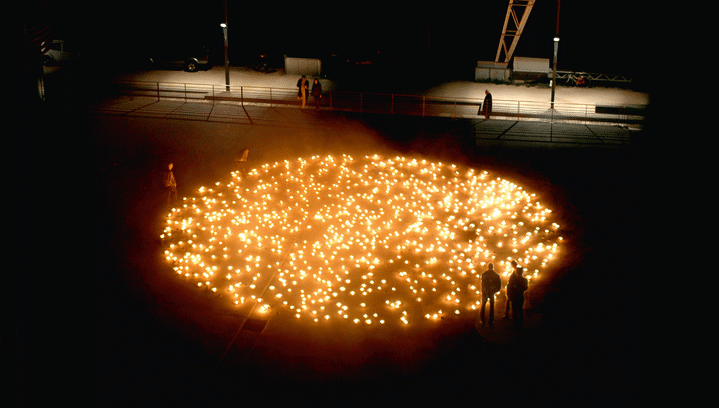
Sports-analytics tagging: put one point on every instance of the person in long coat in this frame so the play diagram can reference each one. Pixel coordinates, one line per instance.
(487, 105)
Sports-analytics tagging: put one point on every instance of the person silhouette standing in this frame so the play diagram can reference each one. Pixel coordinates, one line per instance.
(508, 302)
(170, 185)
(317, 92)
(241, 161)
(304, 86)
(515, 292)
(486, 107)
(491, 284)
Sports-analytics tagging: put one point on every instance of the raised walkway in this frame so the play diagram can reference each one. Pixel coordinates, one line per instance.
(503, 130)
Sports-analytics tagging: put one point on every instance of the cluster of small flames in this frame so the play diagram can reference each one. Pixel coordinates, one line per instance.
(370, 240)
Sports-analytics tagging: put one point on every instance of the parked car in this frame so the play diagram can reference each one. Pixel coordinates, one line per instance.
(60, 53)
(188, 59)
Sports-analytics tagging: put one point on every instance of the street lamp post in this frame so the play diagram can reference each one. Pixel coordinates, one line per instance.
(227, 61)
(554, 68)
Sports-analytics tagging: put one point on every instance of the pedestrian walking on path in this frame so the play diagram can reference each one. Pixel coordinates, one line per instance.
(486, 107)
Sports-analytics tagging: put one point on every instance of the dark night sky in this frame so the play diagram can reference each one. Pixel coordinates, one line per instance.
(595, 37)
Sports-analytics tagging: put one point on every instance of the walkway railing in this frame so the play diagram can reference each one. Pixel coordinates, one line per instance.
(393, 104)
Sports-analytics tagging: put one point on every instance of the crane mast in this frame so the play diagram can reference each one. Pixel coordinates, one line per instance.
(517, 15)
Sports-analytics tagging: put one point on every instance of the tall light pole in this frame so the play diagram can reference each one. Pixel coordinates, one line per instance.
(227, 59)
(556, 46)
(554, 68)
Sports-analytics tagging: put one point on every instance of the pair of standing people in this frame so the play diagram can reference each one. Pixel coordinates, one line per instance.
(491, 284)
(302, 93)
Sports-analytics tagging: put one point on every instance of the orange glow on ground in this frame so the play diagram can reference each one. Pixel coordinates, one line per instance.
(371, 240)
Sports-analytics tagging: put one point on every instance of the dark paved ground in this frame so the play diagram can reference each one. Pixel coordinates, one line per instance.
(97, 316)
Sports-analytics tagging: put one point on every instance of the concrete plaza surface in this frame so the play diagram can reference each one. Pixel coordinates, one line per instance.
(141, 336)
(240, 76)
(502, 129)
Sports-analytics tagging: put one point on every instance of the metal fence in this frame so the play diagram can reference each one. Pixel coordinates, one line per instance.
(393, 104)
